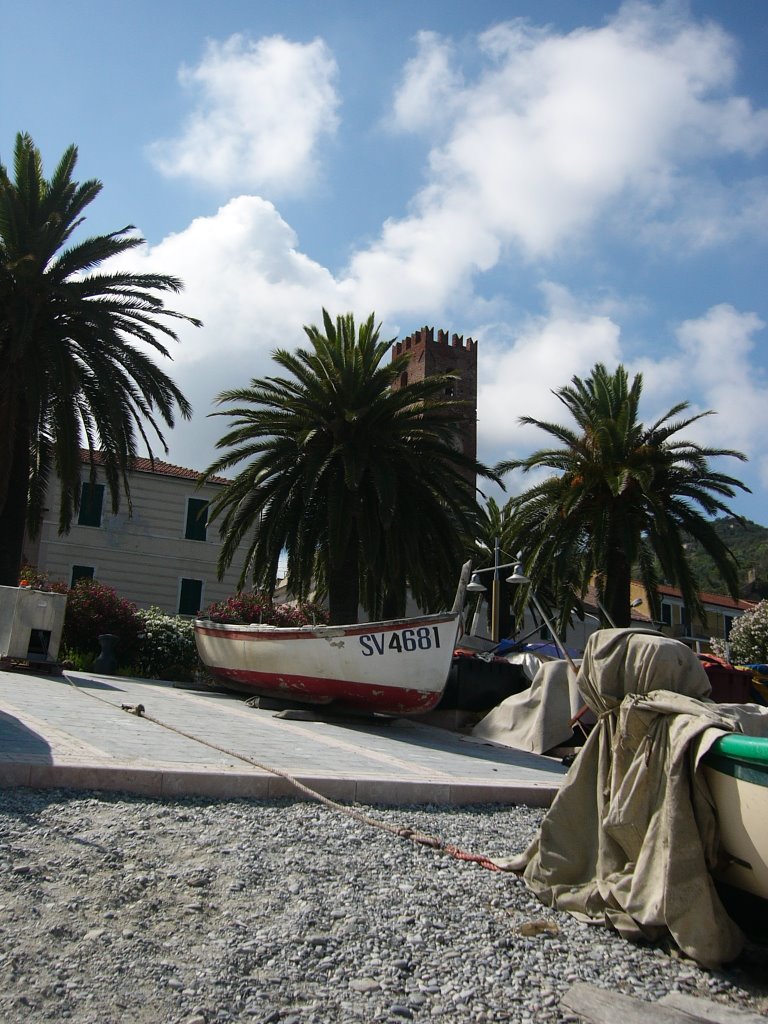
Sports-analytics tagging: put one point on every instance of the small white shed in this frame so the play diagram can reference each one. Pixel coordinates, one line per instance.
(31, 623)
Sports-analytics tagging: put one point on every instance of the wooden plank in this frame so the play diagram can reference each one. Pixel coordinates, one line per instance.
(600, 1006)
(706, 1009)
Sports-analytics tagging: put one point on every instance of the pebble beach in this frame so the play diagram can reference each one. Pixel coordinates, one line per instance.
(128, 910)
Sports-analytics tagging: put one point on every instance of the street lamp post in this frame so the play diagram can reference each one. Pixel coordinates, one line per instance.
(495, 594)
(475, 586)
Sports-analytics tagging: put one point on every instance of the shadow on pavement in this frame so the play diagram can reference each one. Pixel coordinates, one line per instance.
(22, 742)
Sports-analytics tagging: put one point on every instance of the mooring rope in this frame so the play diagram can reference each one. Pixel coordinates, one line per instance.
(412, 834)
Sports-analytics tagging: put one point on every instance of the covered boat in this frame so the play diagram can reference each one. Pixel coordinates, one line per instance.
(396, 667)
(637, 832)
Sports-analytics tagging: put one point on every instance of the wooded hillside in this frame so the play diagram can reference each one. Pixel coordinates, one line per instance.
(749, 543)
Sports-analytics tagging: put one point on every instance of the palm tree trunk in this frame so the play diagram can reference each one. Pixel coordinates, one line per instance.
(393, 604)
(13, 510)
(617, 589)
(344, 584)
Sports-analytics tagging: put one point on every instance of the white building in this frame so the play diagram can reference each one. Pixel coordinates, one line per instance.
(163, 553)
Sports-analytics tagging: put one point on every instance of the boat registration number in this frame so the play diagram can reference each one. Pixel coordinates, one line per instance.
(401, 640)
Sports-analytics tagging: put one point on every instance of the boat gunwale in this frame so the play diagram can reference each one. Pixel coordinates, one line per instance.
(736, 747)
(257, 631)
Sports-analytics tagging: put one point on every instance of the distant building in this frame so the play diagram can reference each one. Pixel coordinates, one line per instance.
(676, 620)
(162, 554)
(720, 612)
(429, 357)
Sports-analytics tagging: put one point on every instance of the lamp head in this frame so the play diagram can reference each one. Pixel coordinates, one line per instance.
(518, 576)
(475, 586)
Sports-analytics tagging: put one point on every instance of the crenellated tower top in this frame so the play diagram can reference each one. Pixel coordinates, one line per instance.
(426, 336)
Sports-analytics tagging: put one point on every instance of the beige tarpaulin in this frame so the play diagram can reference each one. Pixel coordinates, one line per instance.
(631, 838)
(538, 718)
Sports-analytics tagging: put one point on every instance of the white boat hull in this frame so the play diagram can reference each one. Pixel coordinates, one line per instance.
(394, 667)
(739, 788)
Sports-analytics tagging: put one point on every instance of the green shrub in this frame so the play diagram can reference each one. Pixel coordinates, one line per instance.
(748, 641)
(166, 647)
(94, 608)
(251, 606)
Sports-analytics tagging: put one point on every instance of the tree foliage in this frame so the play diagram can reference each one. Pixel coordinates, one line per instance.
(616, 494)
(748, 640)
(74, 372)
(363, 484)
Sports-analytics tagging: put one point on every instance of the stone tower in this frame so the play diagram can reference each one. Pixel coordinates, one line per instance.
(429, 357)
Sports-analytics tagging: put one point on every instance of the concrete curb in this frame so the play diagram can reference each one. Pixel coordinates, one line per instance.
(257, 785)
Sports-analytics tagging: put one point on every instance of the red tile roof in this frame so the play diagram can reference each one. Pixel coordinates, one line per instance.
(155, 466)
(723, 600)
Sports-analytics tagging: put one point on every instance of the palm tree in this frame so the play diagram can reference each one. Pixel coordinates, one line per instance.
(70, 376)
(621, 493)
(361, 484)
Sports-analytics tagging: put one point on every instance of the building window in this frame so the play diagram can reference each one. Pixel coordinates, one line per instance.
(81, 572)
(666, 614)
(190, 596)
(91, 503)
(196, 527)
(727, 625)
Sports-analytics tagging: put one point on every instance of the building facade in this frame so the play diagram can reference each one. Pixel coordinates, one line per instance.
(163, 553)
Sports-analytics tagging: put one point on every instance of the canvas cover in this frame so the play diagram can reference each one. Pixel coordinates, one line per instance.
(537, 719)
(631, 838)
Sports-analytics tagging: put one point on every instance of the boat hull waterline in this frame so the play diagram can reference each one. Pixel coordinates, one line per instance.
(395, 667)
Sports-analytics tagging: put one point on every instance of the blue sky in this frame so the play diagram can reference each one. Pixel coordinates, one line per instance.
(564, 182)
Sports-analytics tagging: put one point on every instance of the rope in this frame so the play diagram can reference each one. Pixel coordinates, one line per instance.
(414, 835)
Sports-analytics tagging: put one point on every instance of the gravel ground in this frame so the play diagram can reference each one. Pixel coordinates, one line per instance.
(123, 909)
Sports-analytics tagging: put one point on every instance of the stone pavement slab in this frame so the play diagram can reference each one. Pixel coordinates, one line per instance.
(71, 731)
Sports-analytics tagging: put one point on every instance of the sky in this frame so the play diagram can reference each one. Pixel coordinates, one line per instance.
(565, 183)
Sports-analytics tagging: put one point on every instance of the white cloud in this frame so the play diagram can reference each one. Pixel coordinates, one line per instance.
(558, 134)
(430, 86)
(264, 108)
(253, 289)
(714, 361)
(519, 379)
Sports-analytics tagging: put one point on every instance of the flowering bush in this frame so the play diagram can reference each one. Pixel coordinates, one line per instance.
(29, 576)
(93, 609)
(166, 648)
(249, 606)
(748, 641)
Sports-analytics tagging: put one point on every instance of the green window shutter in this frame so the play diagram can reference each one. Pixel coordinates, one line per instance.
(81, 572)
(197, 519)
(190, 596)
(91, 504)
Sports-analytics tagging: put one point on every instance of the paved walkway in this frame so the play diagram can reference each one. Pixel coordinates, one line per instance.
(70, 731)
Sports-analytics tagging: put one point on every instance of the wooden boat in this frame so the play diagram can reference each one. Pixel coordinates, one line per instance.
(395, 667)
(736, 769)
